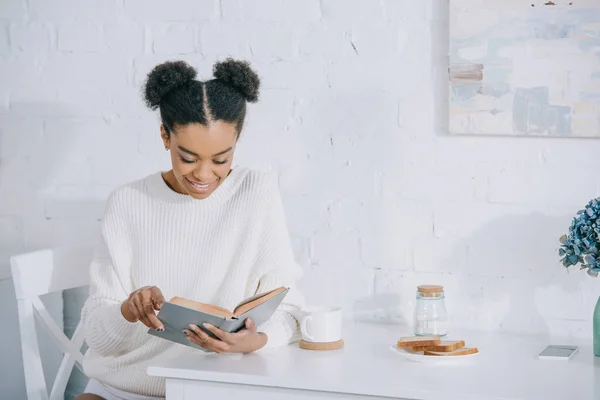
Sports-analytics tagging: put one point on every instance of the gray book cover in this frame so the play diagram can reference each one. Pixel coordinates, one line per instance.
(176, 318)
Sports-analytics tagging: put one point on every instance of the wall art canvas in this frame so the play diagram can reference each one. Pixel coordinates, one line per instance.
(524, 68)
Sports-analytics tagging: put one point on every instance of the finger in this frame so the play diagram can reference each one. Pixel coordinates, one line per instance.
(204, 340)
(157, 298)
(192, 337)
(199, 332)
(142, 315)
(159, 302)
(196, 335)
(133, 310)
(218, 346)
(218, 332)
(140, 303)
(250, 325)
(148, 311)
(152, 318)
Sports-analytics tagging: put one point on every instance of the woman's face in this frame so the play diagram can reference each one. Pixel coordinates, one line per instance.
(201, 156)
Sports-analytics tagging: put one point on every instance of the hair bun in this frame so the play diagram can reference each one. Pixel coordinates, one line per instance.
(239, 76)
(165, 77)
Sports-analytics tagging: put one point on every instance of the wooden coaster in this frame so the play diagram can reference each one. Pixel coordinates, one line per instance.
(322, 345)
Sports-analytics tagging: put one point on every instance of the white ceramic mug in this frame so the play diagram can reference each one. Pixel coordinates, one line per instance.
(321, 324)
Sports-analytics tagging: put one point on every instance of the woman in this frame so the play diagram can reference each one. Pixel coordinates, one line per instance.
(202, 231)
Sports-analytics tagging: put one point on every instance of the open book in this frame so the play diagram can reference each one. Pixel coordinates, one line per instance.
(178, 313)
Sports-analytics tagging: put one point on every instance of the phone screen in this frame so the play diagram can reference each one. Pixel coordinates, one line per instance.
(558, 351)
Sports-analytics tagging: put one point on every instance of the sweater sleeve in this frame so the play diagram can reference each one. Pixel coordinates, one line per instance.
(278, 268)
(107, 332)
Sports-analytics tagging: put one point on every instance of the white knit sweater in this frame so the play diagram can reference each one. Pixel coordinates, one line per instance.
(218, 250)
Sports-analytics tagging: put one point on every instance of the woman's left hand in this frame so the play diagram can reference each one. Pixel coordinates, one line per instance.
(245, 341)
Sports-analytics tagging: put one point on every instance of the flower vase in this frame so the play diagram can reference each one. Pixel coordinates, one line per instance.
(596, 331)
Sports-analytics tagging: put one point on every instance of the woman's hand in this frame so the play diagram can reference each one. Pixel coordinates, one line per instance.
(245, 341)
(141, 304)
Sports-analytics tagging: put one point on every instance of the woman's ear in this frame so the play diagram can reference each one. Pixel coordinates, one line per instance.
(164, 136)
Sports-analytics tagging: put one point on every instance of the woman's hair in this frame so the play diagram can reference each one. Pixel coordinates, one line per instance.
(183, 100)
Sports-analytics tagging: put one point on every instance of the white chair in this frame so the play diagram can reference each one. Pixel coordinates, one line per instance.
(35, 274)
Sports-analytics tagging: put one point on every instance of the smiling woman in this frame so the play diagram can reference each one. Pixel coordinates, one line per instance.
(201, 121)
(201, 230)
(199, 164)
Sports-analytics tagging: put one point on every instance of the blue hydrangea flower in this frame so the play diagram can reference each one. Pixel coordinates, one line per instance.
(581, 245)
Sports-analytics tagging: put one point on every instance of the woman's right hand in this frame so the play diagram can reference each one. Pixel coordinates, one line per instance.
(140, 306)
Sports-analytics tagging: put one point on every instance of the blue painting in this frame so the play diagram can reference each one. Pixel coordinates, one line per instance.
(525, 68)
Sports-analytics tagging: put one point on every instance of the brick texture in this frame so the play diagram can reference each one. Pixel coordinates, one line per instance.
(351, 118)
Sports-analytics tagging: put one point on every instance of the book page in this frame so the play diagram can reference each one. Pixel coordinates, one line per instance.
(207, 308)
(251, 302)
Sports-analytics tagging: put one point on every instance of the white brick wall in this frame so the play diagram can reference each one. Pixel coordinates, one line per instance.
(79, 37)
(352, 117)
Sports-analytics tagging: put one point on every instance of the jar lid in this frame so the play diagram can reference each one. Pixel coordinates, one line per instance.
(430, 288)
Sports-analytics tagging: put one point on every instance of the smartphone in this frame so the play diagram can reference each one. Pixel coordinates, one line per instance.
(558, 352)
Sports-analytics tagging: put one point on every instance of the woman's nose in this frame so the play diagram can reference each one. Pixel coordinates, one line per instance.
(204, 173)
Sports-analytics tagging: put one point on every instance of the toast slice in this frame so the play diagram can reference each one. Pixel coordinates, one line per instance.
(418, 341)
(444, 346)
(459, 352)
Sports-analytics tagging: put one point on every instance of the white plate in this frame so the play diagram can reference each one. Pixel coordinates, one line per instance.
(443, 360)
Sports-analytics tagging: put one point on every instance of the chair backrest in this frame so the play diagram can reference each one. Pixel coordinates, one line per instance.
(35, 274)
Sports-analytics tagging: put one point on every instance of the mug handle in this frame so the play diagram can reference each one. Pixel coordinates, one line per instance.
(304, 330)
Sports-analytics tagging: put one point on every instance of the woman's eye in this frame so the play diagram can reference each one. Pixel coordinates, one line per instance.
(220, 162)
(185, 160)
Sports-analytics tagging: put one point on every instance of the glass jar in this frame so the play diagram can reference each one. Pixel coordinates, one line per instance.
(431, 317)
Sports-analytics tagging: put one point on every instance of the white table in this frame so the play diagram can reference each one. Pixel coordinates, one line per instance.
(507, 367)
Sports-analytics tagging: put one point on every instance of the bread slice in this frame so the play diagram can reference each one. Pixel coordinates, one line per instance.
(443, 346)
(412, 341)
(460, 352)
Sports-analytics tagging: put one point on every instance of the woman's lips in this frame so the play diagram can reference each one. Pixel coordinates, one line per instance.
(199, 187)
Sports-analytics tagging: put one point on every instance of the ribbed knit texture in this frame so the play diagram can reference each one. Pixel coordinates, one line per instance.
(219, 250)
